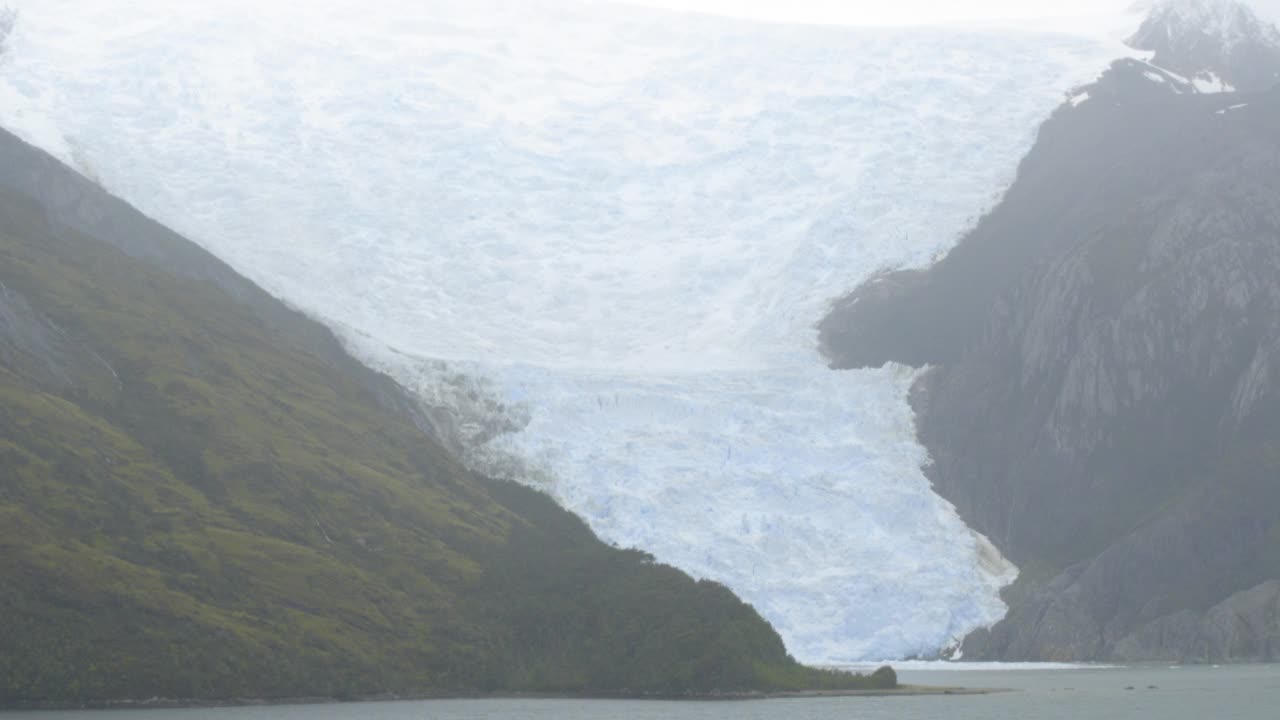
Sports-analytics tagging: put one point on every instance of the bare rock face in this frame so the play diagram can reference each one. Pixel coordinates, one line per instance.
(1244, 627)
(1217, 42)
(1104, 393)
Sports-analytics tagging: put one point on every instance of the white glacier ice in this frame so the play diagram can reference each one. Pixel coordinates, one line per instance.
(614, 227)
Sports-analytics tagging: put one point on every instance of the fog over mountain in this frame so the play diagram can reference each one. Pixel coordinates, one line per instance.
(1090, 16)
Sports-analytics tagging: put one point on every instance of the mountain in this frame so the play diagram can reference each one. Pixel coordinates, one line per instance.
(597, 254)
(1102, 398)
(1218, 44)
(202, 496)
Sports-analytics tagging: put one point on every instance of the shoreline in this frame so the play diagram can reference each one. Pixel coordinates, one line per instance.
(171, 704)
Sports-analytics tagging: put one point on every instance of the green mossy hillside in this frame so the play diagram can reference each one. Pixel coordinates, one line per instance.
(194, 505)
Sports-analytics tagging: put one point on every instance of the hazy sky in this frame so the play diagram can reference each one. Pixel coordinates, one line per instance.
(908, 12)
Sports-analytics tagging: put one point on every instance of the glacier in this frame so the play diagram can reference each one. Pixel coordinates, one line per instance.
(597, 239)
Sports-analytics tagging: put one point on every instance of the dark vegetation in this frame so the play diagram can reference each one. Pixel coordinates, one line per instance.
(201, 497)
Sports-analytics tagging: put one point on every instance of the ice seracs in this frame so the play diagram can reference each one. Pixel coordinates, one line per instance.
(596, 241)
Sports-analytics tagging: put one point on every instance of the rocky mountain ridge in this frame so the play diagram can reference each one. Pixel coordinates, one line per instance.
(1103, 396)
(1217, 45)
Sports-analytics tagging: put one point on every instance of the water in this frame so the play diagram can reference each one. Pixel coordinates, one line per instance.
(1158, 692)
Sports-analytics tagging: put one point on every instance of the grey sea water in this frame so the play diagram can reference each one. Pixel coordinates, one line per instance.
(1119, 693)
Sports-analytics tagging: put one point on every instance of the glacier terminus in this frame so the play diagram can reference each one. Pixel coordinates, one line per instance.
(596, 240)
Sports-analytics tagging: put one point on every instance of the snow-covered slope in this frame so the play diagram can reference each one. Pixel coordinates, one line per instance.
(599, 239)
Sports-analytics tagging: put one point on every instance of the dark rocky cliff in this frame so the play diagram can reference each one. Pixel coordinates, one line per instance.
(1106, 384)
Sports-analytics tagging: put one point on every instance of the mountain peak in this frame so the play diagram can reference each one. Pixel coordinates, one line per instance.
(1212, 39)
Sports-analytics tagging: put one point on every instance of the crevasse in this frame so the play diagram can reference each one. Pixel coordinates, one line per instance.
(599, 238)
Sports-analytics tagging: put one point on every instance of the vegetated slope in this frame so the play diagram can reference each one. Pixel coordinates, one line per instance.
(201, 497)
(1104, 400)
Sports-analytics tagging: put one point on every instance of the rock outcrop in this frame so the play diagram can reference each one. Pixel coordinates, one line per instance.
(1106, 380)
